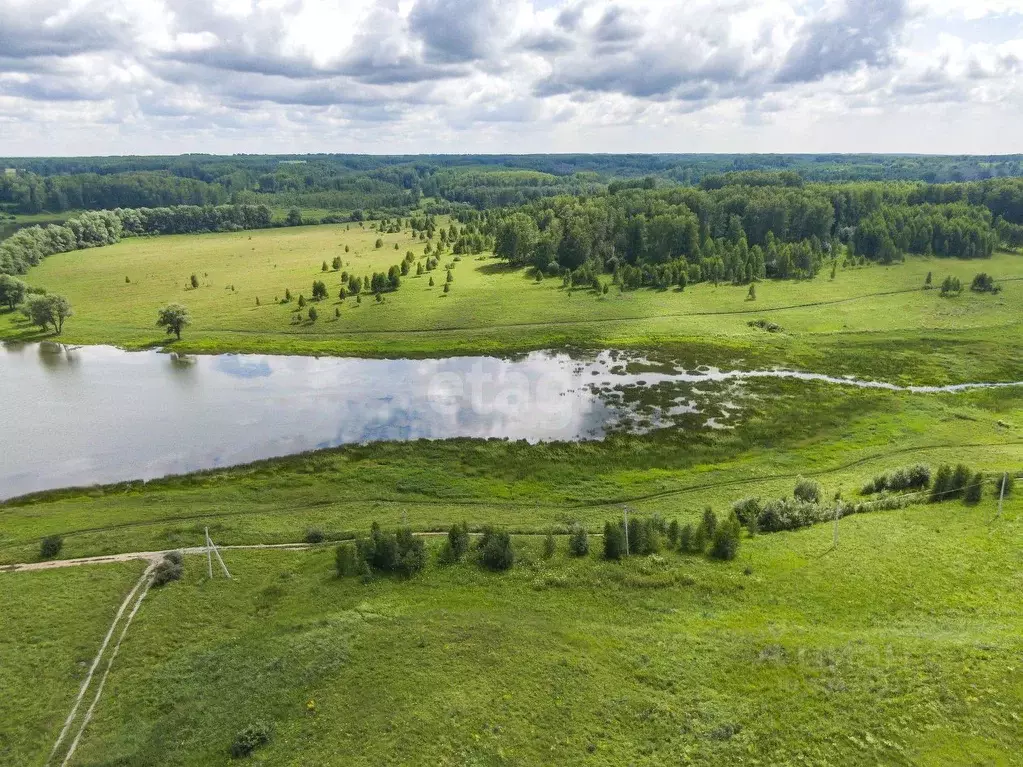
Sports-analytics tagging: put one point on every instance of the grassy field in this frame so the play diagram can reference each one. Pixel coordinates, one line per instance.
(901, 646)
(52, 624)
(835, 325)
(898, 647)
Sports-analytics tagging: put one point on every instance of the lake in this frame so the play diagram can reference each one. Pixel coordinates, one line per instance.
(98, 414)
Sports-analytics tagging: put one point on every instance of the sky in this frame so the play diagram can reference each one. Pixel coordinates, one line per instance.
(92, 77)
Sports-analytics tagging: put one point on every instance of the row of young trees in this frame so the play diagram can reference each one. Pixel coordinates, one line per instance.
(28, 246)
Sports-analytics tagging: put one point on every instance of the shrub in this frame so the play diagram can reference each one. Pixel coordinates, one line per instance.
(50, 546)
(983, 283)
(807, 490)
(746, 509)
(168, 570)
(686, 538)
(347, 561)
(942, 483)
(673, 531)
(550, 545)
(790, 514)
(578, 542)
(313, 314)
(709, 521)
(175, 557)
(614, 540)
(411, 553)
(248, 740)
(725, 541)
(457, 543)
(314, 535)
(496, 551)
(974, 489)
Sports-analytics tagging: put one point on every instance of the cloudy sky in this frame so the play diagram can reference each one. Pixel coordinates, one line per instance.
(387, 76)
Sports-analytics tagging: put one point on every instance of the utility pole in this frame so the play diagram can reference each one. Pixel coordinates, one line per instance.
(1001, 495)
(209, 556)
(625, 525)
(212, 546)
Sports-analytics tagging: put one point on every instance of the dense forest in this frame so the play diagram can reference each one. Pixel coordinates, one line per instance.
(743, 227)
(390, 185)
(738, 226)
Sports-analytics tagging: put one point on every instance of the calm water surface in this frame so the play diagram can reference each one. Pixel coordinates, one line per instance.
(97, 414)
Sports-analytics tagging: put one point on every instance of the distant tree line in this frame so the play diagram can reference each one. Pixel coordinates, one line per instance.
(397, 184)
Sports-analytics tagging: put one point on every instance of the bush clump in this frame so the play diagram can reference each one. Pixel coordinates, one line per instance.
(550, 546)
(171, 568)
(578, 541)
(248, 740)
(807, 490)
(400, 552)
(457, 543)
(614, 541)
(495, 550)
(917, 477)
(314, 535)
(50, 546)
(724, 542)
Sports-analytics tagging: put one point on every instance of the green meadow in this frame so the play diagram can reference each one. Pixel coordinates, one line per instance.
(900, 645)
(872, 320)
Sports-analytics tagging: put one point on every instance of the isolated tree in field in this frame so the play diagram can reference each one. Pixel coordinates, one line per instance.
(379, 243)
(431, 281)
(496, 551)
(337, 312)
(301, 301)
(346, 248)
(48, 310)
(319, 290)
(578, 542)
(752, 294)
(313, 314)
(550, 545)
(50, 546)
(12, 291)
(457, 543)
(725, 541)
(614, 541)
(447, 287)
(174, 317)
(194, 281)
(336, 263)
(450, 277)
(287, 296)
(927, 281)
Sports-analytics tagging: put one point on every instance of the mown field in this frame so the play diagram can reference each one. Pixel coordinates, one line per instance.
(899, 646)
(869, 320)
